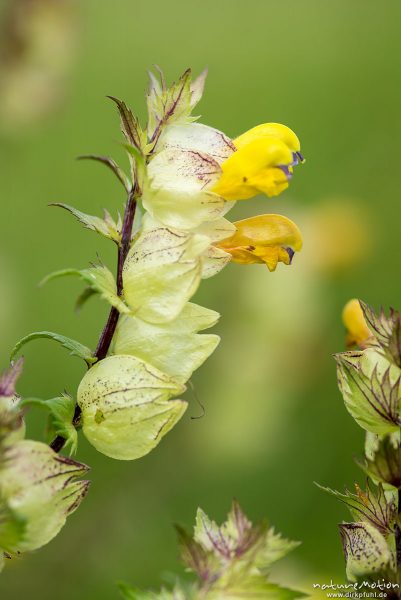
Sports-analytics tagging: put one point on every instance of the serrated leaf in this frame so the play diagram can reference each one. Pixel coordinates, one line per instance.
(75, 348)
(239, 541)
(230, 560)
(253, 587)
(372, 507)
(273, 548)
(132, 593)
(195, 557)
(100, 280)
(61, 411)
(166, 106)
(129, 124)
(112, 165)
(106, 226)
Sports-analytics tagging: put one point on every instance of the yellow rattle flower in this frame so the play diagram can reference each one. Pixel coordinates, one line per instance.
(262, 163)
(358, 333)
(264, 239)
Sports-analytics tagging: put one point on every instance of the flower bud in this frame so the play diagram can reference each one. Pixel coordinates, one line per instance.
(358, 332)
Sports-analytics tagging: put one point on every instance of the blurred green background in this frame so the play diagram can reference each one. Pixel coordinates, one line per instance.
(274, 421)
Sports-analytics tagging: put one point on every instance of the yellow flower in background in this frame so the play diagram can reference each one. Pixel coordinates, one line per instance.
(262, 163)
(267, 239)
(358, 333)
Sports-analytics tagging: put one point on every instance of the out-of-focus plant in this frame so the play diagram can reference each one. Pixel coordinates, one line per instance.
(37, 39)
(184, 177)
(230, 561)
(369, 379)
(38, 488)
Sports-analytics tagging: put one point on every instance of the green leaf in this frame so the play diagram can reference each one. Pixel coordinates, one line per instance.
(100, 280)
(372, 507)
(130, 593)
(61, 411)
(195, 557)
(230, 561)
(239, 540)
(130, 126)
(253, 587)
(84, 297)
(112, 165)
(106, 226)
(75, 348)
(178, 593)
(273, 548)
(166, 106)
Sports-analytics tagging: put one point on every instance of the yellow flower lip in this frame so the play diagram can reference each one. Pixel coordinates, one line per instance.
(270, 130)
(262, 163)
(255, 168)
(267, 239)
(358, 332)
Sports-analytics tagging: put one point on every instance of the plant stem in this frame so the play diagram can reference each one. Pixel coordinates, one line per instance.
(112, 320)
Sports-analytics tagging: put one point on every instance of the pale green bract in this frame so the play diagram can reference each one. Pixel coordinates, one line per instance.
(370, 388)
(180, 175)
(38, 490)
(126, 406)
(366, 551)
(174, 347)
(162, 271)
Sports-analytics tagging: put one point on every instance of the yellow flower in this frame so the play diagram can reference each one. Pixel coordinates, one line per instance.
(358, 333)
(263, 163)
(271, 130)
(264, 239)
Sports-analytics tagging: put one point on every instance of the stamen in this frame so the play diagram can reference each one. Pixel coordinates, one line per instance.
(290, 253)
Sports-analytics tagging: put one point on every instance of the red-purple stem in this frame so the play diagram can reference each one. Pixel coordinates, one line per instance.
(111, 324)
